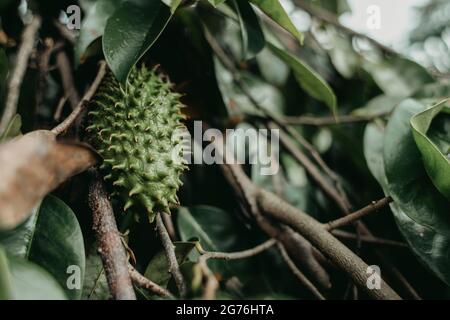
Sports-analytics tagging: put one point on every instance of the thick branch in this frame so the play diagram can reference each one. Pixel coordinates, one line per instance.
(352, 217)
(15, 82)
(110, 245)
(312, 230)
(63, 126)
(169, 249)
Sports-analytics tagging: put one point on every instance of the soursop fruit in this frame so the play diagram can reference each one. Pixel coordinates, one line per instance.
(133, 127)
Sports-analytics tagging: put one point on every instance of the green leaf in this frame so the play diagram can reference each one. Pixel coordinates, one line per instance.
(51, 238)
(216, 230)
(95, 284)
(381, 104)
(172, 4)
(275, 11)
(237, 103)
(215, 3)
(373, 151)
(252, 35)
(23, 280)
(272, 68)
(158, 268)
(308, 79)
(5, 277)
(437, 164)
(398, 76)
(131, 31)
(421, 211)
(93, 27)
(13, 129)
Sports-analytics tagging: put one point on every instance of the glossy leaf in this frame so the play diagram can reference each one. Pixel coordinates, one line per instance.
(437, 164)
(236, 102)
(158, 268)
(13, 129)
(398, 76)
(23, 280)
(51, 238)
(275, 11)
(420, 209)
(172, 4)
(216, 230)
(308, 79)
(252, 35)
(93, 26)
(131, 31)
(95, 284)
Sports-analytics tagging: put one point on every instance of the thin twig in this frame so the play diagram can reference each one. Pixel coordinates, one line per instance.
(25, 50)
(59, 108)
(300, 276)
(368, 239)
(169, 249)
(237, 255)
(110, 245)
(329, 121)
(65, 71)
(352, 217)
(141, 281)
(63, 126)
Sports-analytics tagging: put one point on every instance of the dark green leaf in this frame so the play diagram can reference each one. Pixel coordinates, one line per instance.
(52, 238)
(13, 129)
(275, 11)
(23, 280)
(267, 96)
(252, 35)
(420, 209)
(131, 31)
(307, 78)
(158, 268)
(436, 162)
(95, 284)
(93, 26)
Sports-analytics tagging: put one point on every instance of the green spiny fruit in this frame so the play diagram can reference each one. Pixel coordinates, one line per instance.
(132, 127)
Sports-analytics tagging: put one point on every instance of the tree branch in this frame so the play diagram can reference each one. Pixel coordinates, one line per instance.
(25, 50)
(368, 239)
(237, 255)
(65, 72)
(352, 217)
(110, 245)
(63, 126)
(145, 283)
(169, 249)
